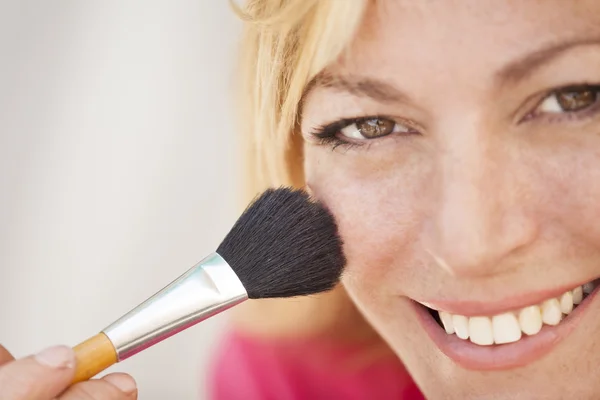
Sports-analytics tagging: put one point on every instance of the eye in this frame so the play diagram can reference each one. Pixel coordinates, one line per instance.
(569, 100)
(372, 128)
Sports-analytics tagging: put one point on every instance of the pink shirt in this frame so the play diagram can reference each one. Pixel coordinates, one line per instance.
(252, 369)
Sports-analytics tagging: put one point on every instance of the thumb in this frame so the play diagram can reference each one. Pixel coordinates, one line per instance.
(40, 377)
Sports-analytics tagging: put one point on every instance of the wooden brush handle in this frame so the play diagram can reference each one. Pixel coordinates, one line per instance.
(93, 356)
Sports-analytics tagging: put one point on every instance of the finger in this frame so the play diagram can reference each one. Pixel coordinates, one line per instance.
(111, 387)
(5, 356)
(39, 377)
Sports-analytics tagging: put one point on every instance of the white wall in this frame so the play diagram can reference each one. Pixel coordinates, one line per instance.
(116, 169)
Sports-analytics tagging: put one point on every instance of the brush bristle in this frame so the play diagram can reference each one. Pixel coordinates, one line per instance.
(284, 245)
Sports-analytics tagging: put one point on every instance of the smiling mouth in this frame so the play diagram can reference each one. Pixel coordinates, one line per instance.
(512, 326)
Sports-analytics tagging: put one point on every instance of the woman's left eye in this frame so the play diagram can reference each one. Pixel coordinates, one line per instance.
(372, 128)
(569, 101)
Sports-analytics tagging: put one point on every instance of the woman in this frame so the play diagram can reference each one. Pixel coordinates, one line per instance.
(458, 145)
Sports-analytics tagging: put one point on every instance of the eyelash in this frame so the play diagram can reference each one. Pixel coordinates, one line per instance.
(586, 112)
(330, 134)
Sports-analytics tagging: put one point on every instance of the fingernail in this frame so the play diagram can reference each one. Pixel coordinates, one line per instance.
(124, 382)
(56, 357)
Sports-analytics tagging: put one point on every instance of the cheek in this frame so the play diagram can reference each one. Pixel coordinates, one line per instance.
(566, 188)
(377, 214)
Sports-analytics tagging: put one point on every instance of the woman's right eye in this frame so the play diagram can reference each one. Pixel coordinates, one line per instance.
(372, 128)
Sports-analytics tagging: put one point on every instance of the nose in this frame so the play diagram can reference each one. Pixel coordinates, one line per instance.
(479, 210)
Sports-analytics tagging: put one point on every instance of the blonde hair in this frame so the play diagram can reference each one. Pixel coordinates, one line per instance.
(286, 43)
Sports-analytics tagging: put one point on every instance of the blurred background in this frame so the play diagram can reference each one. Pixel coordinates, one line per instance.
(117, 170)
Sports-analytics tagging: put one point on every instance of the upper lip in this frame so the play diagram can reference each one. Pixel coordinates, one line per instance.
(473, 308)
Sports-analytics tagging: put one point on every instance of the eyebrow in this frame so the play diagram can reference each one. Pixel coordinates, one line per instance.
(527, 64)
(359, 86)
(383, 92)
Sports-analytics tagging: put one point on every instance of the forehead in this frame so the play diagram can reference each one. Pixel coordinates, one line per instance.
(463, 36)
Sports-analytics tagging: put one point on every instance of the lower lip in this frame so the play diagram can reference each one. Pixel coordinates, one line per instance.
(506, 356)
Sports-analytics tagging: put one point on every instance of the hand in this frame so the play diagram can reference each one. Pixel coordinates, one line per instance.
(46, 375)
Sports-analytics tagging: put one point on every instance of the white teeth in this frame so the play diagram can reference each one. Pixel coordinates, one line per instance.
(480, 331)
(509, 327)
(530, 320)
(506, 328)
(566, 303)
(577, 295)
(461, 326)
(551, 314)
(447, 322)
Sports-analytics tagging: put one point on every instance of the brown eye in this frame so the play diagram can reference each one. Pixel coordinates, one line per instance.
(375, 127)
(372, 128)
(569, 101)
(576, 100)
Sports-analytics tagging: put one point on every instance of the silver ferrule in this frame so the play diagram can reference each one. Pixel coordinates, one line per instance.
(207, 289)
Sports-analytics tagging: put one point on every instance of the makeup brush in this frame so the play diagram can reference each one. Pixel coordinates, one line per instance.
(285, 244)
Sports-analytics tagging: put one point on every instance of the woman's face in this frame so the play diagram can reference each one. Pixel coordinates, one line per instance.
(458, 144)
